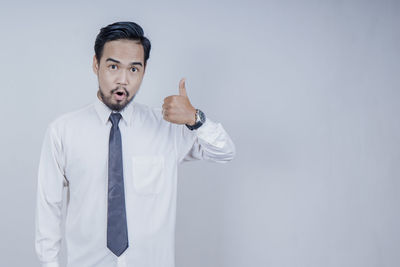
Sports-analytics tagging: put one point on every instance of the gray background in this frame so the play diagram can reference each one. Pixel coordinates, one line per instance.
(308, 91)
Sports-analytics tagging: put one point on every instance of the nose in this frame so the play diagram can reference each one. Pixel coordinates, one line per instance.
(122, 77)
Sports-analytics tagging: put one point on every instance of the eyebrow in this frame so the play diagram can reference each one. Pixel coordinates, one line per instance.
(116, 61)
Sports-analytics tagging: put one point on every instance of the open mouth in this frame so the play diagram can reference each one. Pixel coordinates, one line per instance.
(120, 95)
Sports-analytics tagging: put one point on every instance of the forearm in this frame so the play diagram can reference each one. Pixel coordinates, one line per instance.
(48, 214)
(211, 143)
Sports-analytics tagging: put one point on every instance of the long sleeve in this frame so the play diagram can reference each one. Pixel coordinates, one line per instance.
(209, 142)
(48, 216)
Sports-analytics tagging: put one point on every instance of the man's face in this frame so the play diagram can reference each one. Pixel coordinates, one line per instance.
(119, 73)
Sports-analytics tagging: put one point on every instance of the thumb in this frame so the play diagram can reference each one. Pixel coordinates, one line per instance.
(182, 88)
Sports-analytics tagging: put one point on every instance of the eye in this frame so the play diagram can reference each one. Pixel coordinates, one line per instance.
(134, 69)
(113, 66)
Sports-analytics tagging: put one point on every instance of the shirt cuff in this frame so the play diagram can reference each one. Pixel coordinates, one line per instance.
(212, 133)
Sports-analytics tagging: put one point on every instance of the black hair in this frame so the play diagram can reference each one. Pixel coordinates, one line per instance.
(121, 30)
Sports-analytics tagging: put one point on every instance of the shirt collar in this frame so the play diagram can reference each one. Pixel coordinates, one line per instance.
(104, 112)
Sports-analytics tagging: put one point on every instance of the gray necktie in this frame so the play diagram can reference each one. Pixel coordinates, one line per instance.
(117, 230)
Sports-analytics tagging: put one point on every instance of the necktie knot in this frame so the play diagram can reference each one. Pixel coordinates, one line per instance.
(115, 117)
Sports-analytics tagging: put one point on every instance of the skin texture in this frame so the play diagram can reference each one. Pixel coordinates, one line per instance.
(121, 70)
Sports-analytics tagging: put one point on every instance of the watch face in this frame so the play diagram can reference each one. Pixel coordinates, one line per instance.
(202, 116)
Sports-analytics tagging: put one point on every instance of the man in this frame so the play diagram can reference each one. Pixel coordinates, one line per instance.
(118, 160)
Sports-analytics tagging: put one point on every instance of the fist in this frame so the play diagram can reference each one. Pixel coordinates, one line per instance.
(178, 109)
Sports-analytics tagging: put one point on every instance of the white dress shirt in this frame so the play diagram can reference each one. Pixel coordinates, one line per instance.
(75, 155)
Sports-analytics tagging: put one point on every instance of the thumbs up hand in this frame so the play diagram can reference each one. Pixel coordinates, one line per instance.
(178, 109)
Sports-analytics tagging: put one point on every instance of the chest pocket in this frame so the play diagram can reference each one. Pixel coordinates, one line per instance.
(148, 174)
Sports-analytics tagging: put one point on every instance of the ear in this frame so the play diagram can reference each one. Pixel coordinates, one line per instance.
(95, 65)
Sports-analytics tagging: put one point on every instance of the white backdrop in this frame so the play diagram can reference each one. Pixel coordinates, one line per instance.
(308, 91)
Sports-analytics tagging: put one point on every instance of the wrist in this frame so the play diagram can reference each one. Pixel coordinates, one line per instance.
(200, 118)
(193, 118)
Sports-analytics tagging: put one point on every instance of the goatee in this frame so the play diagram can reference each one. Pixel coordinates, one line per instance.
(107, 100)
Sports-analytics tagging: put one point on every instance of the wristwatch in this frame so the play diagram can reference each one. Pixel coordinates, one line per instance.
(200, 120)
